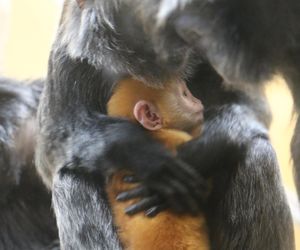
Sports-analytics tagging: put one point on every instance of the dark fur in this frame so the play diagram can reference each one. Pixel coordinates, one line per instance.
(102, 41)
(26, 218)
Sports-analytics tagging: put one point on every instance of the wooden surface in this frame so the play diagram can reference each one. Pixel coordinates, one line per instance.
(31, 27)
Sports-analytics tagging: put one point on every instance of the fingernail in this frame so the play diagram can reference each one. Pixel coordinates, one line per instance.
(130, 179)
(129, 211)
(121, 197)
(151, 212)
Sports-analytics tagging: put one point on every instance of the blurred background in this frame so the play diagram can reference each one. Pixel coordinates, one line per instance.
(27, 29)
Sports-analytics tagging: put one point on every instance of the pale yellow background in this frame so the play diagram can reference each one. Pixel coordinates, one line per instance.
(31, 29)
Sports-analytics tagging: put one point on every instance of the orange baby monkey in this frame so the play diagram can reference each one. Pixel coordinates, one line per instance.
(173, 116)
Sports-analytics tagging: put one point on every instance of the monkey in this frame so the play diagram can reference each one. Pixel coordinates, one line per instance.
(235, 42)
(173, 116)
(79, 145)
(26, 218)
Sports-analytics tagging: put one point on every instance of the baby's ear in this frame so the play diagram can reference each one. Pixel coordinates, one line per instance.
(147, 115)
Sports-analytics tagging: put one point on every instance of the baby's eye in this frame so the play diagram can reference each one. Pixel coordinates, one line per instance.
(184, 94)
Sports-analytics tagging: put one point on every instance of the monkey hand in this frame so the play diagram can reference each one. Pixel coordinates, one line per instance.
(164, 182)
(159, 193)
(163, 177)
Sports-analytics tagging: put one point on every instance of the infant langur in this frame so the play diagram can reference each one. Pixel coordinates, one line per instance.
(172, 116)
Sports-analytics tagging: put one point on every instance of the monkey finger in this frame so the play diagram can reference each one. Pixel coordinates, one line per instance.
(187, 197)
(152, 212)
(180, 196)
(186, 168)
(130, 179)
(202, 190)
(175, 200)
(193, 180)
(137, 192)
(183, 203)
(185, 173)
(142, 205)
(198, 189)
(184, 185)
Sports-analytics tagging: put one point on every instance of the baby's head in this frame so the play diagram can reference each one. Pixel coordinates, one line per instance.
(172, 107)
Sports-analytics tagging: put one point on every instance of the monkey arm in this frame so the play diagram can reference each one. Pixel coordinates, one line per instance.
(246, 188)
(82, 212)
(105, 144)
(228, 131)
(235, 151)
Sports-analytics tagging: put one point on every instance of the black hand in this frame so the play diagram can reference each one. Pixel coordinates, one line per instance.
(171, 194)
(159, 172)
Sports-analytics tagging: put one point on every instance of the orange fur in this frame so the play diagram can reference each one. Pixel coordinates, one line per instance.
(166, 231)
